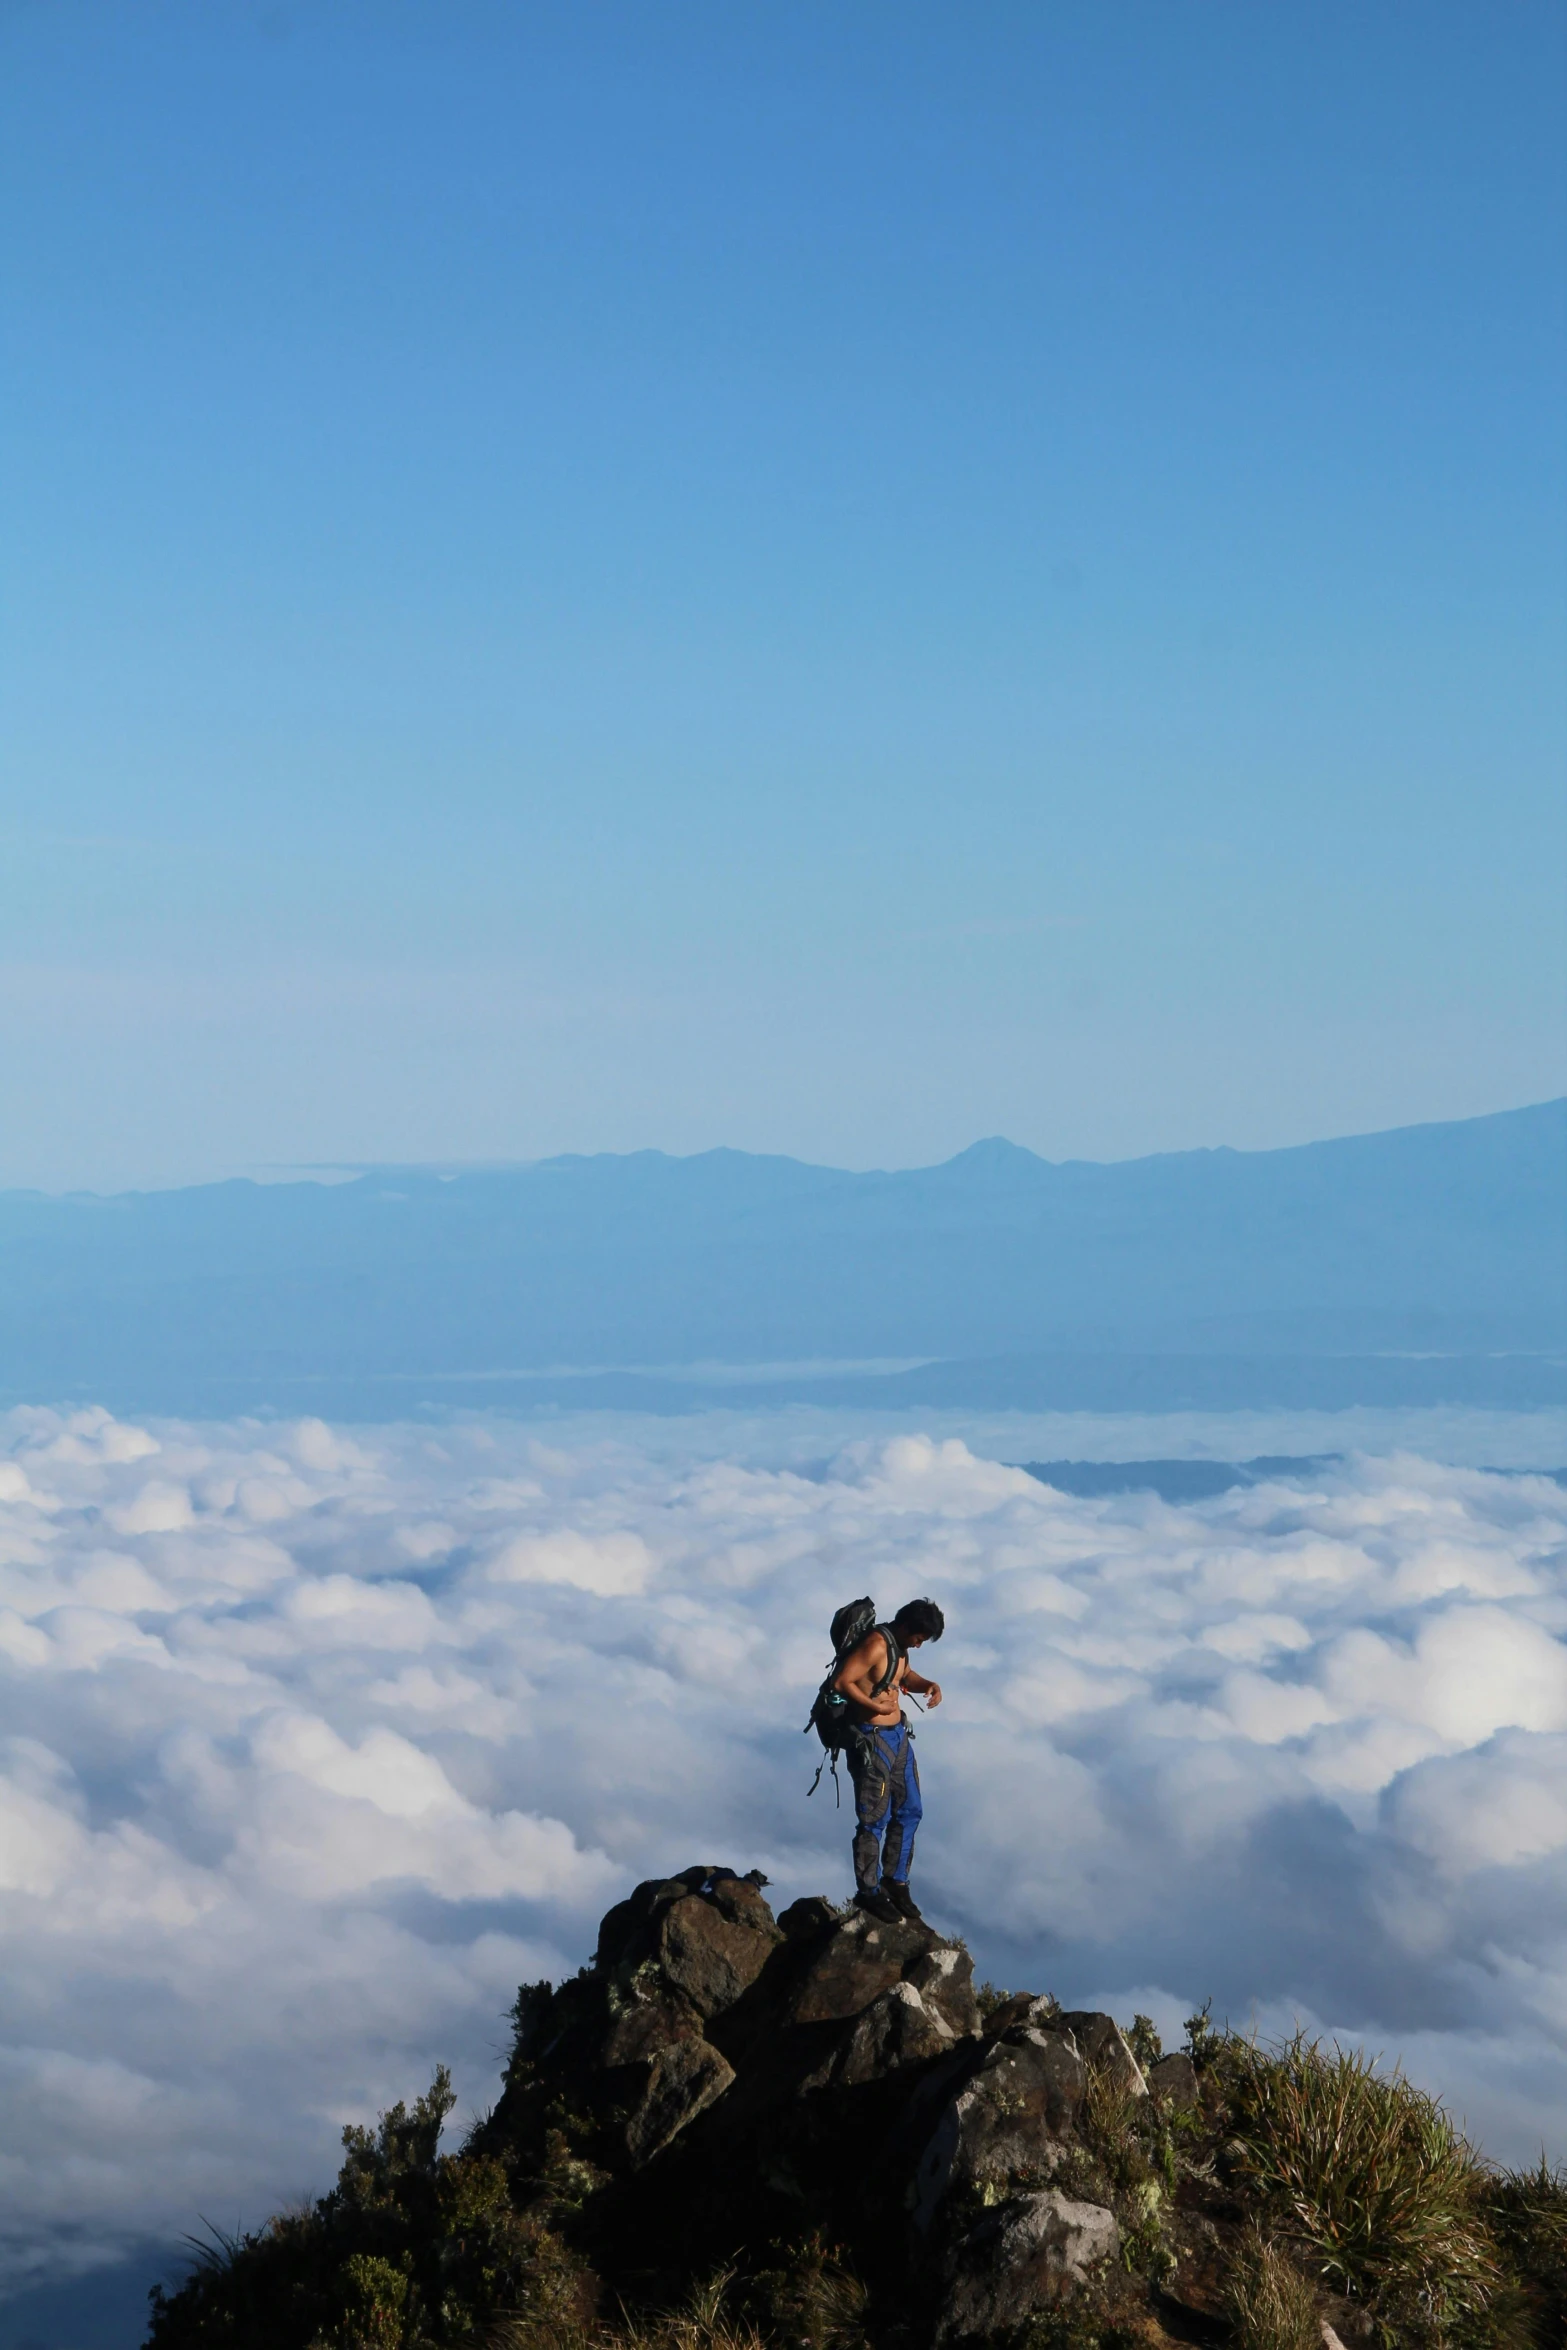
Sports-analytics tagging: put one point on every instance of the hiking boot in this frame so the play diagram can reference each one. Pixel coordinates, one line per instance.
(877, 1905)
(902, 1901)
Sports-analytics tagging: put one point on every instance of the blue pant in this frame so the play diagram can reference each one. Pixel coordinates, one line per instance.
(886, 1805)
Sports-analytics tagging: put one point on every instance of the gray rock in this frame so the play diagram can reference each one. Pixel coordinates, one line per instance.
(623, 1929)
(646, 2017)
(812, 1914)
(1024, 2007)
(713, 1947)
(1025, 2256)
(1099, 2039)
(1004, 2127)
(856, 1964)
(944, 1978)
(1174, 2078)
(683, 2080)
(897, 2029)
(739, 1899)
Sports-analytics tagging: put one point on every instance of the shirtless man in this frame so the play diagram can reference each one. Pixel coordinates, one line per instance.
(881, 1759)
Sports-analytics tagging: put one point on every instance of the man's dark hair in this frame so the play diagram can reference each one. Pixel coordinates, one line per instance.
(921, 1617)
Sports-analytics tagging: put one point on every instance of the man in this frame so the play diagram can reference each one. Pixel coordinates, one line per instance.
(887, 1803)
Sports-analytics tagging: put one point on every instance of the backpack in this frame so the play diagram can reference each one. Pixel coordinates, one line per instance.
(832, 1715)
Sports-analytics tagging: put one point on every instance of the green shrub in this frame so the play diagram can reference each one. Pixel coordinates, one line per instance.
(1142, 2037)
(374, 2297)
(1204, 2038)
(403, 2145)
(1368, 2174)
(411, 2248)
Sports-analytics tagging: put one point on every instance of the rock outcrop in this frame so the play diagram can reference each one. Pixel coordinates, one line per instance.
(732, 2071)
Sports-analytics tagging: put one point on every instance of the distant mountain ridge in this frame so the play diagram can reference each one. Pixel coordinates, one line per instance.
(1438, 1244)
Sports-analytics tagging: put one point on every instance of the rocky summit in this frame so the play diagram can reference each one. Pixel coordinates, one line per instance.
(742, 2077)
(736, 2129)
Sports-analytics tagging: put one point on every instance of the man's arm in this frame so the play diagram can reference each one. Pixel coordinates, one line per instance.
(920, 1686)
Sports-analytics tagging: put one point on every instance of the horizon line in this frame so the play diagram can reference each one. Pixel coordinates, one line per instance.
(328, 1174)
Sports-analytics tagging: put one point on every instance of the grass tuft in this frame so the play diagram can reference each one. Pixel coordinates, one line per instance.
(813, 2303)
(1268, 2302)
(810, 2299)
(1527, 2212)
(1368, 2175)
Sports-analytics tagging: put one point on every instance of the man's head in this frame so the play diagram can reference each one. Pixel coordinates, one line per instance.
(917, 1621)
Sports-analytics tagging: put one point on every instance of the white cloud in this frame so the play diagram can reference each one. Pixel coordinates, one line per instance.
(383, 1769)
(1497, 1805)
(322, 1742)
(347, 1612)
(615, 1566)
(158, 1508)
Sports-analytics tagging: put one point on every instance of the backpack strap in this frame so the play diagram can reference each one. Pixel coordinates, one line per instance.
(896, 1653)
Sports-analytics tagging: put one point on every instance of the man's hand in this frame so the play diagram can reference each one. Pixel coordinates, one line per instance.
(932, 1693)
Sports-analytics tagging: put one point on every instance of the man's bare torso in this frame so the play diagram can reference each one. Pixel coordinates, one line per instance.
(863, 1667)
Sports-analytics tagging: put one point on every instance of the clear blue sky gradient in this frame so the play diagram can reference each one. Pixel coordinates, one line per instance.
(826, 578)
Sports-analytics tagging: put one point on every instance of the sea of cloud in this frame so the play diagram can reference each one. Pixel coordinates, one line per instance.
(318, 1741)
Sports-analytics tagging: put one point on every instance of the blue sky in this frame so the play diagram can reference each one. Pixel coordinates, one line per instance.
(827, 579)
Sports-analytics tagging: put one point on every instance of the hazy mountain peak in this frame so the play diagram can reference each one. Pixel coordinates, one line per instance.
(995, 1155)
